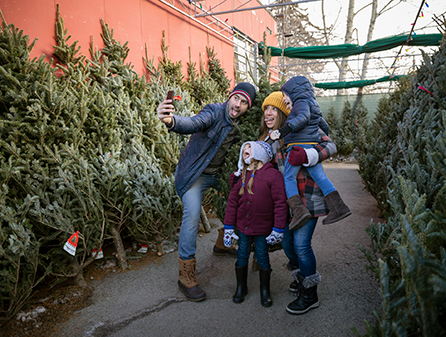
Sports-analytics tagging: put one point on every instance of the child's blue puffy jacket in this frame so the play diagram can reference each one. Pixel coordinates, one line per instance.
(305, 117)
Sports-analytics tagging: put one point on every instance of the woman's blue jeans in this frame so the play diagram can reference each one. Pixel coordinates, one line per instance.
(260, 251)
(297, 247)
(317, 173)
(192, 200)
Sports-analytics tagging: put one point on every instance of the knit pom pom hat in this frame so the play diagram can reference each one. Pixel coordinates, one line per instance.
(245, 89)
(276, 99)
(260, 151)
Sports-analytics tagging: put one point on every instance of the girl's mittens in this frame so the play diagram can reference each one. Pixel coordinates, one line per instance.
(229, 235)
(275, 237)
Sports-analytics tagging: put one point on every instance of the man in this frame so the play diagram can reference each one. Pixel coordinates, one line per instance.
(213, 133)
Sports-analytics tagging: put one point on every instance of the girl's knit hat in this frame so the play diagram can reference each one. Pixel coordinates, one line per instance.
(276, 99)
(260, 151)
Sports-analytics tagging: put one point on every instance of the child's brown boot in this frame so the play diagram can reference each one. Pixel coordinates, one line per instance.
(337, 209)
(299, 211)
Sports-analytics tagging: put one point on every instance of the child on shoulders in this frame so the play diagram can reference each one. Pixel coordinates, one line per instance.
(302, 129)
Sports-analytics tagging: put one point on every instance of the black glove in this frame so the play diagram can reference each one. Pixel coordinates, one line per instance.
(269, 141)
(284, 130)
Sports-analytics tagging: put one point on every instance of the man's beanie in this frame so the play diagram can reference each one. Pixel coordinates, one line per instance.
(245, 89)
(276, 99)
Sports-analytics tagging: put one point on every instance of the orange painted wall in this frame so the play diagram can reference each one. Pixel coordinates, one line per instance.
(141, 23)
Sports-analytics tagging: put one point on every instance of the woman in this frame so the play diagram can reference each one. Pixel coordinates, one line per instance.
(297, 244)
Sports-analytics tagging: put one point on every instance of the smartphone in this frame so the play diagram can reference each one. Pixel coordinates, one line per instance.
(170, 95)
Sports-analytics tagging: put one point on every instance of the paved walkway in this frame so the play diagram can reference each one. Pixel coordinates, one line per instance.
(147, 302)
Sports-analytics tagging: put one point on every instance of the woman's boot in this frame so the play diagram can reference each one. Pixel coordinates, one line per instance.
(300, 213)
(294, 286)
(307, 294)
(265, 296)
(242, 284)
(187, 281)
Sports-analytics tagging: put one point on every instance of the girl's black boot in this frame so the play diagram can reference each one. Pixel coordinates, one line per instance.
(242, 284)
(265, 296)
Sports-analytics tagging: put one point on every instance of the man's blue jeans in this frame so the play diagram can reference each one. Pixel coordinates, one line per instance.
(317, 173)
(192, 200)
(244, 250)
(297, 247)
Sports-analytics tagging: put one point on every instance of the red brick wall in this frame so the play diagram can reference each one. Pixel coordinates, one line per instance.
(141, 23)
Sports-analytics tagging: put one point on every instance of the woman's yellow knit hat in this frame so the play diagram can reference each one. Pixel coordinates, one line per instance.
(276, 99)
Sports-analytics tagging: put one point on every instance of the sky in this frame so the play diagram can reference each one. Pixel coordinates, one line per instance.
(396, 21)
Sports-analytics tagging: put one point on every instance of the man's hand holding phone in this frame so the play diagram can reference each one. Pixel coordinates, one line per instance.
(165, 109)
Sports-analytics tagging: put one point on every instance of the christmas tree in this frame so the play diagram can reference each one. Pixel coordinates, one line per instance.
(403, 164)
(345, 142)
(82, 151)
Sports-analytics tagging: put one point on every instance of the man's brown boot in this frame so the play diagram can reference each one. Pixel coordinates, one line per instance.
(221, 249)
(337, 209)
(188, 282)
(299, 211)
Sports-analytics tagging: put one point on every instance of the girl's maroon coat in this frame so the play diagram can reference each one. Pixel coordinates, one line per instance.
(258, 213)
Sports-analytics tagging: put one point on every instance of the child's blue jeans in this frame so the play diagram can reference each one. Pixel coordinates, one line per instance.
(317, 173)
(244, 250)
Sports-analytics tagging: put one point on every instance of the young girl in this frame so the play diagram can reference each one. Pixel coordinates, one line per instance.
(257, 206)
(302, 129)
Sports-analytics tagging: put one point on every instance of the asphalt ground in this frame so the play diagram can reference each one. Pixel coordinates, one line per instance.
(147, 302)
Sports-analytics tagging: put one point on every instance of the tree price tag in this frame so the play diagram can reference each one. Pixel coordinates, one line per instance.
(71, 244)
(143, 249)
(100, 255)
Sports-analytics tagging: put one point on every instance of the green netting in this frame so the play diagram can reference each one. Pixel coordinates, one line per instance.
(357, 84)
(345, 50)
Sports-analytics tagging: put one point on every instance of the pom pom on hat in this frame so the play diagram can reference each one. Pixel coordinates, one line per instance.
(276, 99)
(245, 89)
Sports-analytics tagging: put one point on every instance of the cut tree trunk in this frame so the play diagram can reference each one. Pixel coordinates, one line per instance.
(119, 246)
(205, 221)
(79, 278)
